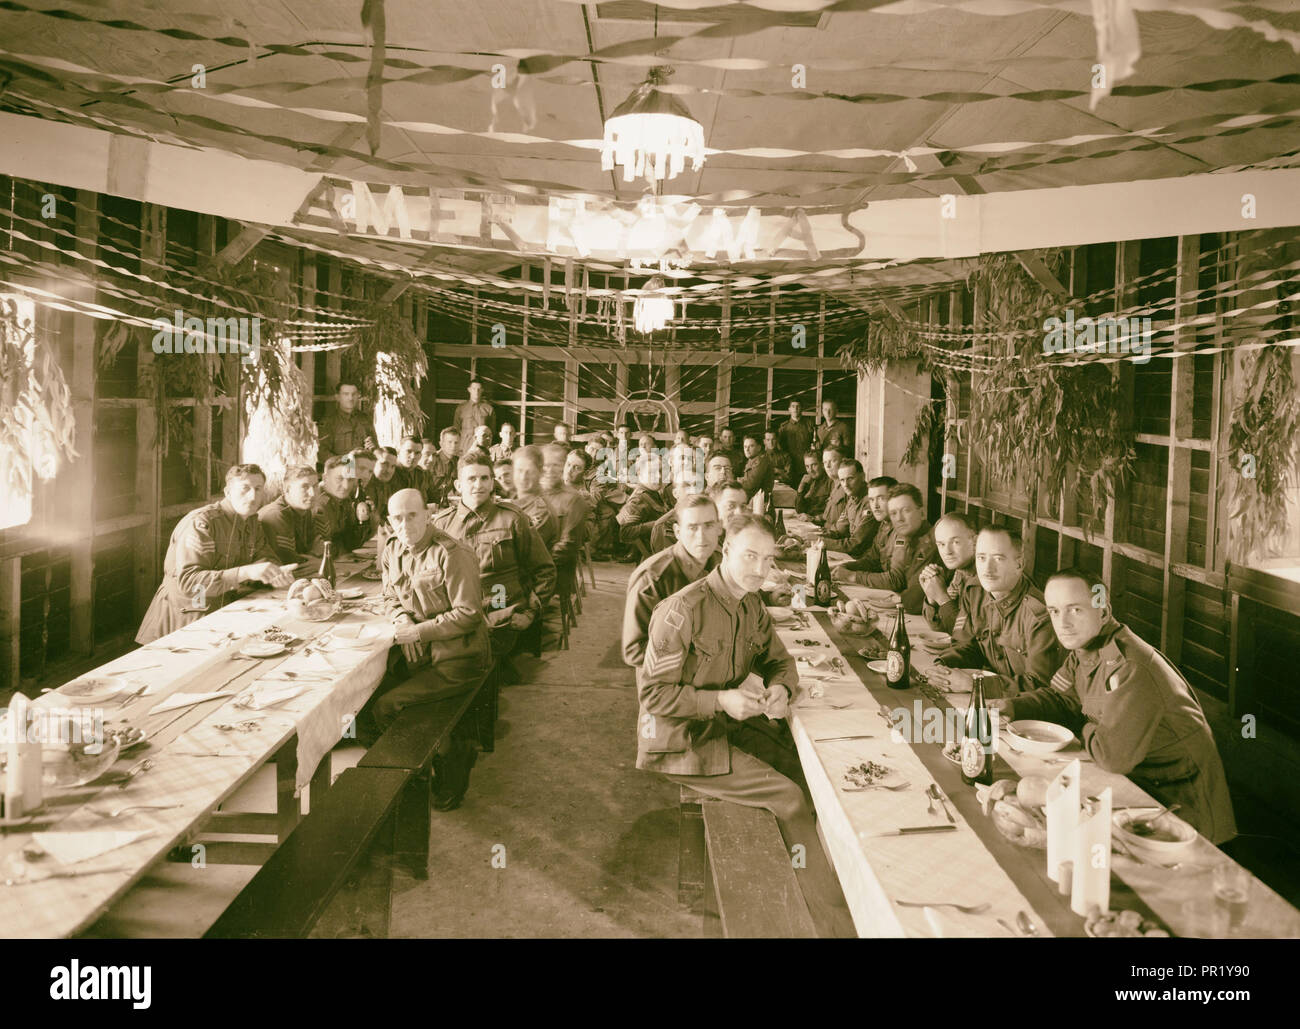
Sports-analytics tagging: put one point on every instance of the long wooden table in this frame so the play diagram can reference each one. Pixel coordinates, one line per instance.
(975, 864)
(196, 766)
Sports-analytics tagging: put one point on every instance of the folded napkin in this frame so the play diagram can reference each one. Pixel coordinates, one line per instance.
(268, 694)
(177, 700)
(70, 847)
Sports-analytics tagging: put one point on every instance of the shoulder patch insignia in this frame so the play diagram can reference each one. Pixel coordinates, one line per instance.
(663, 657)
(674, 619)
(1061, 681)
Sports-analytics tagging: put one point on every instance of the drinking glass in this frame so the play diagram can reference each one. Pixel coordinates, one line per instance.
(1232, 892)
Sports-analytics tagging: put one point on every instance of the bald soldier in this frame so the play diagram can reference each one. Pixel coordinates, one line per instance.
(1137, 716)
(693, 556)
(954, 539)
(714, 691)
(440, 637)
(213, 550)
(1008, 631)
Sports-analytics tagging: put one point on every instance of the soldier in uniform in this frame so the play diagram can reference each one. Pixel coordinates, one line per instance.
(503, 471)
(1007, 627)
(779, 459)
(1137, 716)
(832, 517)
(213, 549)
(516, 571)
(897, 562)
(440, 640)
(718, 470)
(795, 436)
(758, 469)
(385, 482)
(730, 500)
(336, 514)
(831, 432)
(954, 539)
(648, 502)
(427, 449)
(482, 438)
(727, 448)
(345, 428)
(527, 462)
(470, 415)
(693, 556)
(570, 506)
(442, 466)
(288, 521)
(814, 488)
(857, 532)
(505, 449)
(714, 691)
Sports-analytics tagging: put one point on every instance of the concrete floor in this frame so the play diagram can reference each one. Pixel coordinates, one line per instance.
(559, 835)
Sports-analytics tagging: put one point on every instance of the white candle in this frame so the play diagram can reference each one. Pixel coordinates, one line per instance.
(1062, 818)
(1091, 887)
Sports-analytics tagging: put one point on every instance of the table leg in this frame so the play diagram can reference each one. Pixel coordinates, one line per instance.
(288, 808)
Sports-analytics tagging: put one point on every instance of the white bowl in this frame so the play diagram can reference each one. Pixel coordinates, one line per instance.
(1034, 737)
(1158, 849)
(934, 641)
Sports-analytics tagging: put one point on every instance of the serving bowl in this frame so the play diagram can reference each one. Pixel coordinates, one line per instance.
(1170, 837)
(1035, 737)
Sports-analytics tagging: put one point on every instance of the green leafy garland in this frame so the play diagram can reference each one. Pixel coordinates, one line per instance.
(388, 334)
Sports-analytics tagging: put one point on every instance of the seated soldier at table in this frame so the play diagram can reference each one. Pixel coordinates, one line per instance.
(730, 500)
(704, 449)
(954, 539)
(503, 471)
(442, 467)
(288, 521)
(600, 483)
(833, 517)
(569, 505)
(385, 481)
(371, 517)
(440, 640)
(714, 691)
(1137, 716)
(505, 449)
(515, 568)
(409, 474)
(758, 469)
(428, 449)
(814, 488)
(648, 501)
(212, 550)
(686, 483)
(691, 557)
(910, 548)
(728, 449)
(1008, 631)
(336, 514)
(717, 470)
(527, 478)
(777, 457)
(858, 531)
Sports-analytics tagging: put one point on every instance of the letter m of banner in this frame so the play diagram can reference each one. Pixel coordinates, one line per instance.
(370, 213)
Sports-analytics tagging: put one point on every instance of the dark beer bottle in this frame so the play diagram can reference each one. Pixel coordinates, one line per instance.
(361, 506)
(977, 738)
(898, 661)
(823, 588)
(327, 563)
(780, 524)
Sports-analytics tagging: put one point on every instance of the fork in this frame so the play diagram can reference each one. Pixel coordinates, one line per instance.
(967, 909)
(114, 812)
(877, 786)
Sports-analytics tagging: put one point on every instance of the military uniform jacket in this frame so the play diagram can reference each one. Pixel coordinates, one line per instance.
(861, 529)
(441, 475)
(289, 532)
(948, 616)
(781, 465)
(415, 478)
(702, 640)
(571, 509)
(1012, 637)
(895, 563)
(656, 579)
(758, 476)
(795, 438)
(644, 505)
(438, 588)
(469, 417)
(826, 431)
(1138, 717)
(336, 522)
(380, 492)
(201, 570)
(502, 451)
(835, 514)
(510, 555)
(541, 514)
(813, 492)
(341, 433)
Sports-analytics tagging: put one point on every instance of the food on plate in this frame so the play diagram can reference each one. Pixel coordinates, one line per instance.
(866, 774)
(274, 634)
(986, 794)
(313, 599)
(126, 737)
(1121, 924)
(1022, 826)
(1032, 791)
(952, 751)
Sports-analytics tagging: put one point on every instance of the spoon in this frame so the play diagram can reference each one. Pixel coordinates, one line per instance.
(1026, 926)
(1146, 823)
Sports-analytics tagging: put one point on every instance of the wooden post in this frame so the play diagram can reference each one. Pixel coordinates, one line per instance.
(80, 476)
(148, 494)
(1241, 658)
(11, 599)
(334, 358)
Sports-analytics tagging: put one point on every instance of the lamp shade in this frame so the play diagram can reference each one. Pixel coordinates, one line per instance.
(651, 134)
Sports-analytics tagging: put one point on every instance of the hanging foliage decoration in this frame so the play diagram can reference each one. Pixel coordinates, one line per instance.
(37, 425)
(388, 332)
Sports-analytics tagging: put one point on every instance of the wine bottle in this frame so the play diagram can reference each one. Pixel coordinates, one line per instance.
(977, 738)
(327, 563)
(780, 524)
(823, 589)
(898, 660)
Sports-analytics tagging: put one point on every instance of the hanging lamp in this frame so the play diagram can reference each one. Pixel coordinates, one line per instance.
(651, 133)
(653, 309)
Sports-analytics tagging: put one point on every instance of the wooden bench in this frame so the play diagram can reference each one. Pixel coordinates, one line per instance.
(734, 859)
(384, 800)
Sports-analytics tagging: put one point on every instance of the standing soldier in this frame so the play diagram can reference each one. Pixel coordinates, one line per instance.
(345, 428)
(831, 431)
(440, 639)
(288, 521)
(516, 572)
(795, 436)
(1135, 714)
(213, 550)
(659, 576)
(714, 691)
(1008, 630)
(471, 414)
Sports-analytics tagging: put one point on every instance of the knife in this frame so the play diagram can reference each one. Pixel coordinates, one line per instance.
(834, 739)
(909, 830)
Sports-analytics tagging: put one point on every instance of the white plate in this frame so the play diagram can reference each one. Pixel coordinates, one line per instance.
(92, 689)
(261, 648)
(128, 739)
(878, 667)
(352, 593)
